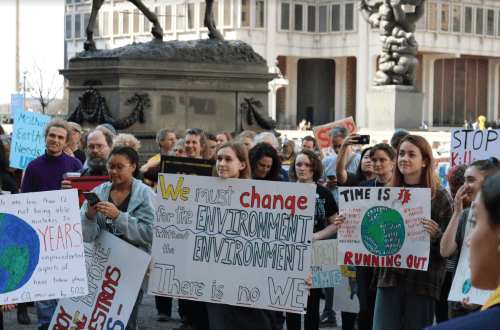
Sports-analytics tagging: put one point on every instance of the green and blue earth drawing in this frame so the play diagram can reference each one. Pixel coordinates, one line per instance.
(466, 287)
(19, 252)
(383, 231)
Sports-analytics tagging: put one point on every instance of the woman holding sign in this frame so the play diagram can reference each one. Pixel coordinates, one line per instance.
(407, 297)
(125, 208)
(307, 169)
(484, 244)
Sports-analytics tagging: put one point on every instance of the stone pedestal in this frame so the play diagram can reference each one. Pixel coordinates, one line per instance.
(393, 106)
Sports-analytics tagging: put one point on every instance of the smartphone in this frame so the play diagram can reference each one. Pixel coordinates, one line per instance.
(363, 139)
(331, 177)
(91, 197)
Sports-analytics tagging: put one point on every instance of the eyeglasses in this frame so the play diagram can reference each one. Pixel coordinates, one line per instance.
(118, 168)
(97, 147)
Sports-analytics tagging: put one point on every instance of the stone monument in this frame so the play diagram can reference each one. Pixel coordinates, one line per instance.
(394, 101)
(211, 84)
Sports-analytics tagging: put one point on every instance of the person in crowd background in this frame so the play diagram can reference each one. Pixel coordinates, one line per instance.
(408, 297)
(246, 138)
(398, 135)
(46, 173)
(265, 163)
(484, 244)
(194, 142)
(106, 128)
(72, 149)
(127, 140)
(179, 150)
(309, 143)
(223, 137)
(209, 152)
(363, 172)
(17, 173)
(307, 169)
(126, 210)
(273, 141)
(455, 233)
(288, 153)
(8, 183)
(165, 138)
(456, 178)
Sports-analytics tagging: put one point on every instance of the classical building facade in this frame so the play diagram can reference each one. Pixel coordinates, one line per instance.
(327, 52)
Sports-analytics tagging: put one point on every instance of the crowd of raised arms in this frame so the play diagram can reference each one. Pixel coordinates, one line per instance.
(389, 298)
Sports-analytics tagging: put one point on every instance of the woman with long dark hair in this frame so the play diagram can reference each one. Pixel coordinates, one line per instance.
(265, 163)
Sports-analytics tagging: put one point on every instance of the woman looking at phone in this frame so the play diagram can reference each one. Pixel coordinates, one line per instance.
(125, 209)
(365, 168)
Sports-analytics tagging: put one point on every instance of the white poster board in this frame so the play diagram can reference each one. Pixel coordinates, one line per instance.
(41, 247)
(324, 264)
(345, 297)
(237, 242)
(115, 271)
(461, 287)
(383, 227)
(470, 145)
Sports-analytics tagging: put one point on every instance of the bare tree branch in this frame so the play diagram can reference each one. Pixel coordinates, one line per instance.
(39, 88)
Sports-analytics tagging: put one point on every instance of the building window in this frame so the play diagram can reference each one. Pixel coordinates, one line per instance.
(335, 18)
(137, 21)
(285, 16)
(490, 29)
(227, 13)
(311, 19)
(298, 15)
(479, 20)
(181, 13)
(460, 90)
(78, 1)
(116, 23)
(68, 26)
(215, 12)
(86, 19)
(432, 22)
(69, 2)
(457, 18)
(125, 22)
(421, 23)
(78, 26)
(168, 18)
(259, 14)
(349, 17)
(468, 20)
(146, 24)
(445, 17)
(190, 17)
(323, 11)
(245, 13)
(105, 23)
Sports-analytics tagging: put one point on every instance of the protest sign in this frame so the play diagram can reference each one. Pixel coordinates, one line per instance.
(323, 139)
(16, 103)
(115, 272)
(442, 170)
(86, 183)
(41, 247)
(461, 286)
(324, 265)
(28, 141)
(237, 242)
(345, 297)
(383, 227)
(191, 166)
(470, 145)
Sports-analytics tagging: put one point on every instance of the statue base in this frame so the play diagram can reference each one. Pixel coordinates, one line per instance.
(394, 106)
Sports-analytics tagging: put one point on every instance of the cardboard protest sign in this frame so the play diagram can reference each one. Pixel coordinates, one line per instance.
(41, 247)
(115, 272)
(192, 166)
(86, 183)
(323, 139)
(345, 297)
(383, 227)
(324, 265)
(461, 286)
(237, 242)
(28, 141)
(470, 145)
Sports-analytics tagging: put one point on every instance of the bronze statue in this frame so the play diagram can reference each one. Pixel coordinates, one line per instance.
(156, 30)
(397, 65)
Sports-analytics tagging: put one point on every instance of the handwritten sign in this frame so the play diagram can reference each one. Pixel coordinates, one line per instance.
(461, 286)
(324, 265)
(28, 141)
(345, 297)
(442, 170)
(321, 133)
(237, 242)
(86, 183)
(16, 103)
(470, 145)
(41, 247)
(383, 227)
(114, 284)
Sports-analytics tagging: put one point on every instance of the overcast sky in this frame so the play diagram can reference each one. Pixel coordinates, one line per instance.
(42, 36)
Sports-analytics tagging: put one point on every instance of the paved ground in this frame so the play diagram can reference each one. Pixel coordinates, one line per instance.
(147, 317)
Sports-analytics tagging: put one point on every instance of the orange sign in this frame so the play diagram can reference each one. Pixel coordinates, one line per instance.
(322, 138)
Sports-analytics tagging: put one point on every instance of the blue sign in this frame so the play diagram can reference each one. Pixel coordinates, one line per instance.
(28, 141)
(16, 103)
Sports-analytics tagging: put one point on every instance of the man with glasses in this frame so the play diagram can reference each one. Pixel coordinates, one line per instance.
(211, 148)
(166, 141)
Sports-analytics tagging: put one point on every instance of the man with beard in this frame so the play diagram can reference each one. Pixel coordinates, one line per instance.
(288, 154)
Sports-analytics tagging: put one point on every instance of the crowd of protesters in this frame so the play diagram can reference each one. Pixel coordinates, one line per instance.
(390, 299)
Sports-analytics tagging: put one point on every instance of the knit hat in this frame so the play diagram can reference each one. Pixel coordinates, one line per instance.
(110, 127)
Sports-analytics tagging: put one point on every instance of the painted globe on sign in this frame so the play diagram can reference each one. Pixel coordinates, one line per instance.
(466, 287)
(383, 231)
(19, 252)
